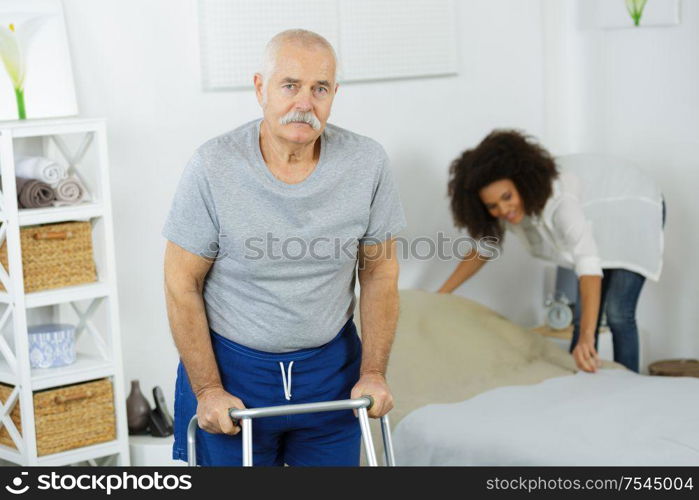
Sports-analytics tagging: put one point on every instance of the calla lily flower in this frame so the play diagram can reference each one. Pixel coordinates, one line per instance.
(14, 43)
(635, 8)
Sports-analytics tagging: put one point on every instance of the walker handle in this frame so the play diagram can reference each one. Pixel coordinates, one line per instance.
(277, 411)
(361, 404)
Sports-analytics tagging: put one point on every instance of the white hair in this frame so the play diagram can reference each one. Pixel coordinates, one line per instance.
(306, 38)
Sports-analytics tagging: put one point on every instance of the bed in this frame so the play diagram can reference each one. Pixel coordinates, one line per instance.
(472, 388)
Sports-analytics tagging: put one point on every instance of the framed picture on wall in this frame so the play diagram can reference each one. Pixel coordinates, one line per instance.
(614, 14)
(36, 76)
(417, 38)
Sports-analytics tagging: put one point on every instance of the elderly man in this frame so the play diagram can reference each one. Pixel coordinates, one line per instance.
(265, 232)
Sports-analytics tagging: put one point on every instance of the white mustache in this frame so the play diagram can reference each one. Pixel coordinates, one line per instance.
(301, 116)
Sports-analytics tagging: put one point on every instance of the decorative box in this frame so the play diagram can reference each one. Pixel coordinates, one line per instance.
(51, 345)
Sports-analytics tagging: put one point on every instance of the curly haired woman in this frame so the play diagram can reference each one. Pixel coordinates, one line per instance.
(594, 214)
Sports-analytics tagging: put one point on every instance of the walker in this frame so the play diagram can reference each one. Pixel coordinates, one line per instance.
(246, 416)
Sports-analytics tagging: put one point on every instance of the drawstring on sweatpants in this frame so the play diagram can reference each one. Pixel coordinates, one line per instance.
(286, 380)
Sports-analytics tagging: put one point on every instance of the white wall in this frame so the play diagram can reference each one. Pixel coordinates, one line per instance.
(634, 93)
(136, 63)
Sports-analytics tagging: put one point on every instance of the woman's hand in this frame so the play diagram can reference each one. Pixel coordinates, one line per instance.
(585, 354)
(468, 266)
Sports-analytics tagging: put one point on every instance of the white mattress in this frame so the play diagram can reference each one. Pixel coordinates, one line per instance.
(613, 417)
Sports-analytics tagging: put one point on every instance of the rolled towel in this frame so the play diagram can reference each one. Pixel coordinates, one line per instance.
(70, 191)
(39, 168)
(32, 193)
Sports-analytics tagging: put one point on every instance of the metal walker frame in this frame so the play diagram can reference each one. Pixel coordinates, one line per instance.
(246, 416)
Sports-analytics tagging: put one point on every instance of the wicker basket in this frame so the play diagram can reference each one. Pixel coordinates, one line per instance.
(675, 368)
(55, 255)
(68, 417)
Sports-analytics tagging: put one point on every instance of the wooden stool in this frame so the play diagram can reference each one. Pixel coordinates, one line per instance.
(675, 368)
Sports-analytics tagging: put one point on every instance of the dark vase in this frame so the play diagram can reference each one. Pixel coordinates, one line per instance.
(137, 410)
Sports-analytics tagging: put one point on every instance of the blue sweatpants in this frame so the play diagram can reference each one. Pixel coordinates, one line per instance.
(258, 378)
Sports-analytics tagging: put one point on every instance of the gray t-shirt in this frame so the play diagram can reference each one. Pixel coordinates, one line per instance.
(286, 254)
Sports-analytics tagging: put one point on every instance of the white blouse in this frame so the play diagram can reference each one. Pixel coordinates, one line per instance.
(604, 213)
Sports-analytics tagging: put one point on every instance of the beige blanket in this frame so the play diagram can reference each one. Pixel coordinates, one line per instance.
(448, 349)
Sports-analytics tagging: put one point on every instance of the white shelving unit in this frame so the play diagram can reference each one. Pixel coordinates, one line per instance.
(81, 144)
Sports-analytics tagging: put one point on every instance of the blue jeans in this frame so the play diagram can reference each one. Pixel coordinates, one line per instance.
(620, 291)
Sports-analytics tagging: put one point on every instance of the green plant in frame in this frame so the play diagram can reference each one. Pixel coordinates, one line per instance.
(635, 8)
(14, 43)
